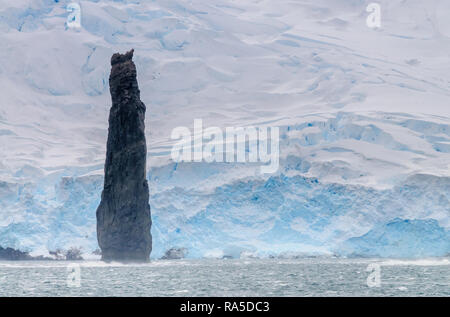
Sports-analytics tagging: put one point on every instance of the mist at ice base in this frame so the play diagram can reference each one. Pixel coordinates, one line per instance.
(363, 116)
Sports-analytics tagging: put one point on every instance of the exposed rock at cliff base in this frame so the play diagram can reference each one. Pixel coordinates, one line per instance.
(10, 254)
(123, 216)
(175, 254)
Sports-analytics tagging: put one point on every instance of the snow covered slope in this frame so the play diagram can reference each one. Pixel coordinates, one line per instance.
(364, 117)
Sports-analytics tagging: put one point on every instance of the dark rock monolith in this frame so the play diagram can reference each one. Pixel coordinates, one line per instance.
(123, 216)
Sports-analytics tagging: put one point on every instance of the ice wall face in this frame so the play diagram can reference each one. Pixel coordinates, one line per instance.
(401, 239)
(363, 116)
(290, 213)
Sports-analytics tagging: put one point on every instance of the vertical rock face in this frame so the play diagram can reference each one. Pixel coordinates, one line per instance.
(123, 216)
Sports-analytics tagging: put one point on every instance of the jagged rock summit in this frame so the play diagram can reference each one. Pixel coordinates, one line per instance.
(123, 216)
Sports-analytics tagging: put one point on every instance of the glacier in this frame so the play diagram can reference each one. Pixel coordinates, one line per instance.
(363, 113)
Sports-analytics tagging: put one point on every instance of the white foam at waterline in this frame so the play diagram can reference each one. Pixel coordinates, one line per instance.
(419, 262)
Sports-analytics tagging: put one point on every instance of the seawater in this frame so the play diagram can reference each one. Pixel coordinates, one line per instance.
(242, 277)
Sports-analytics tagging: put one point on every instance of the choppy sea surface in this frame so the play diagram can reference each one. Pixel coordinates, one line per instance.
(252, 277)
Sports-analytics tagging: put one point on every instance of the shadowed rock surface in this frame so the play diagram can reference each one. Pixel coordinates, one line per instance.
(123, 216)
(13, 255)
(10, 254)
(175, 254)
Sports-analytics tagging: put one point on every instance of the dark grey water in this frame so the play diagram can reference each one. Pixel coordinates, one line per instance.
(253, 277)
